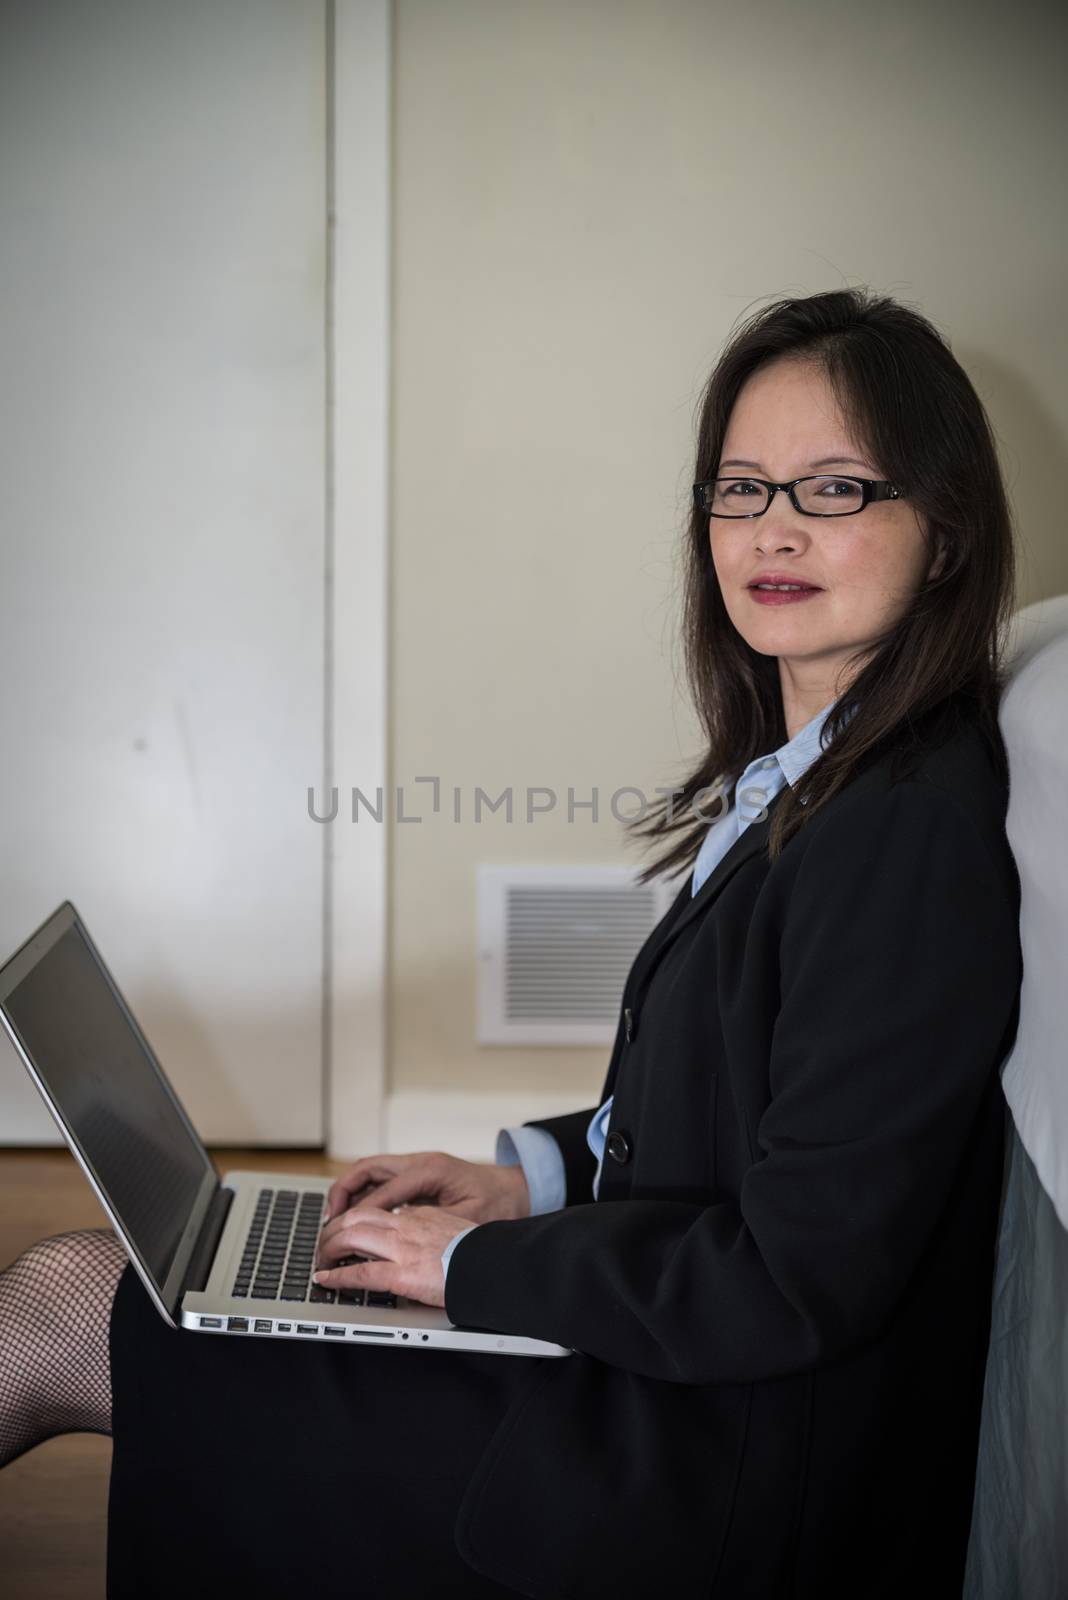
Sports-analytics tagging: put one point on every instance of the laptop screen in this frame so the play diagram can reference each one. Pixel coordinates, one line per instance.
(110, 1094)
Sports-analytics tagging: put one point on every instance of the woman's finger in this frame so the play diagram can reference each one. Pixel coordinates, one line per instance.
(406, 1186)
(367, 1172)
(369, 1236)
(368, 1275)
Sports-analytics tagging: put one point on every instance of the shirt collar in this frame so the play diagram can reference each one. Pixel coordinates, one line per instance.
(801, 751)
(793, 758)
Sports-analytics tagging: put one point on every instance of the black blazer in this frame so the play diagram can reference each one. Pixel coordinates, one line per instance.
(781, 1298)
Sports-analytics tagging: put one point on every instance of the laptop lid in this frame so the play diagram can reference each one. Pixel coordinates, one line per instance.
(105, 1088)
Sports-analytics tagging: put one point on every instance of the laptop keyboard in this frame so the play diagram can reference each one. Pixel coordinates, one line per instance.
(279, 1255)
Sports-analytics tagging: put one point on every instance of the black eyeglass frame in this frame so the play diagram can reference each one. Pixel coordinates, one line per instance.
(871, 488)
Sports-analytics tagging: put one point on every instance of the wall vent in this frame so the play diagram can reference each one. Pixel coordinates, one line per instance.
(555, 945)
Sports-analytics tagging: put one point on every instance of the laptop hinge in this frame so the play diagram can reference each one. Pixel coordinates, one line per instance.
(199, 1268)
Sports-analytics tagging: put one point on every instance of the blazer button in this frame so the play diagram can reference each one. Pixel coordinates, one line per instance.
(619, 1146)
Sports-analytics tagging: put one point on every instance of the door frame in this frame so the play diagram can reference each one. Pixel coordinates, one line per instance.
(356, 596)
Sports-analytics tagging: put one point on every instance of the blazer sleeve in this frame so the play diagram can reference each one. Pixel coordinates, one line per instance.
(580, 1163)
(899, 972)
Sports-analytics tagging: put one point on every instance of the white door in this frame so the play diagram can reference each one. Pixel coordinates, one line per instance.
(162, 268)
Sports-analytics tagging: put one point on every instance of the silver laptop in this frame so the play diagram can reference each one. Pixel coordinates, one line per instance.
(226, 1256)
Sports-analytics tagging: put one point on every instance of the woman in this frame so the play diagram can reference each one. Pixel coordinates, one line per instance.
(771, 1244)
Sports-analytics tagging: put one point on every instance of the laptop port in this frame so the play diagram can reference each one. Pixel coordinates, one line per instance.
(285, 1327)
(211, 1322)
(237, 1324)
(262, 1325)
(307, 1327)
(334, 1333)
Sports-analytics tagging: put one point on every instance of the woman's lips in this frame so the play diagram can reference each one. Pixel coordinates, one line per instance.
(781, 597)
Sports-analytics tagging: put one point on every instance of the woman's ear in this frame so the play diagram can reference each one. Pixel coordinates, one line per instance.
(937, 564)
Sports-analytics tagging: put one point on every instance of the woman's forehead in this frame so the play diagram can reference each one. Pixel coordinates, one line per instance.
(789, 409)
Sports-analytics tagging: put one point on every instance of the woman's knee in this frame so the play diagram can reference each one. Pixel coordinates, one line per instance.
(75, 1272)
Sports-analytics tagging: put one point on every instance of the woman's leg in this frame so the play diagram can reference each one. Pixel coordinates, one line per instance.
(55, 1312)
(285, 1467)
(268, 1459)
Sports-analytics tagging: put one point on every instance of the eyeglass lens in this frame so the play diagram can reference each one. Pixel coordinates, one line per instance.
(740, 497)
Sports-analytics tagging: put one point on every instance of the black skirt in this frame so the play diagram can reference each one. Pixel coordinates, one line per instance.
(275, 1467)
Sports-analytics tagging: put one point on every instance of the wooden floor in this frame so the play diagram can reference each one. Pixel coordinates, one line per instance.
(53, 1500)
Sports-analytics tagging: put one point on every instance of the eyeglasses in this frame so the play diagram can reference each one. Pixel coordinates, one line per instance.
(813, 497)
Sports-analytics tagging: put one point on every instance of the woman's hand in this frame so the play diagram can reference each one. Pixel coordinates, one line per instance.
(478, 1190)
(406, 1246)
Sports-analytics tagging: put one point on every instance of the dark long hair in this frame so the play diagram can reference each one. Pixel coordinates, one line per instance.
(911, 403)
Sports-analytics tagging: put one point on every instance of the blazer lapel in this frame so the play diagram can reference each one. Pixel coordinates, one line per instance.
(685, 908)
(687, 905)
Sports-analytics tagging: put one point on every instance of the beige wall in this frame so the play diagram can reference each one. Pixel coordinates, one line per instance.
(586, 197)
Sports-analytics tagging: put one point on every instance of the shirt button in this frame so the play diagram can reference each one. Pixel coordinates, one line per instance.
(619, 1146)
(768, 761)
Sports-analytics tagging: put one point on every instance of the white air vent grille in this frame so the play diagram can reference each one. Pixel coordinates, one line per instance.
(555, 947)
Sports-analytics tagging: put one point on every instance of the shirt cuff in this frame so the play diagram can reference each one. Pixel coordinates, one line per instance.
(542, 1160)
(446, 1254)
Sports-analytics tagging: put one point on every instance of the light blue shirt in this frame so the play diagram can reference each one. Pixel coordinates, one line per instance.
(535, 1149)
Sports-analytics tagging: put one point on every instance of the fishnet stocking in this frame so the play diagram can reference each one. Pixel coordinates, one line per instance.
(55, 1318)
